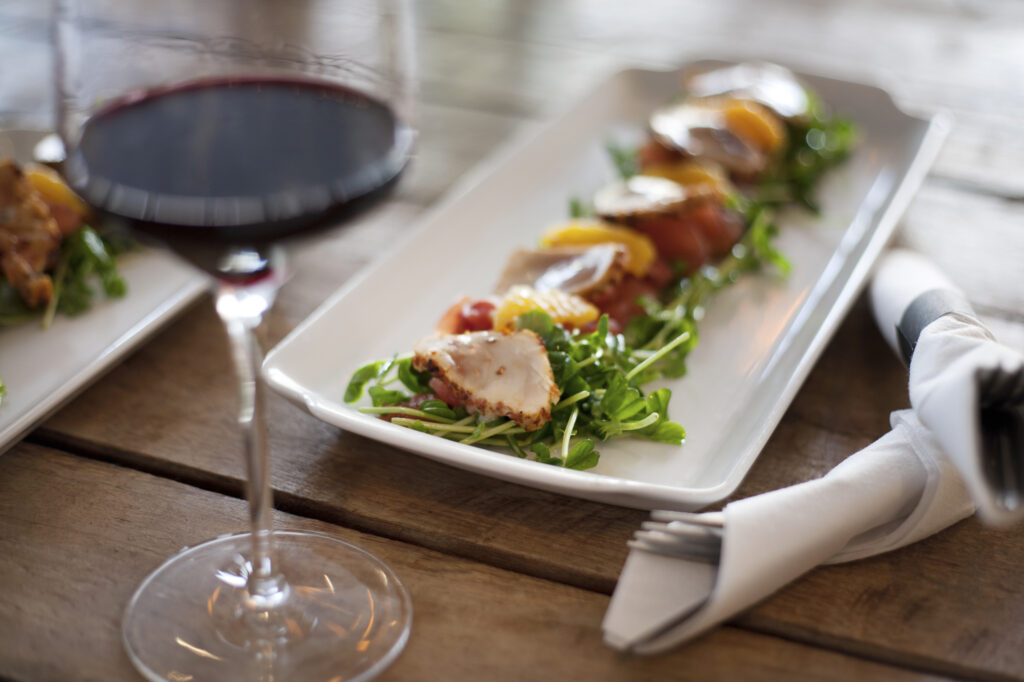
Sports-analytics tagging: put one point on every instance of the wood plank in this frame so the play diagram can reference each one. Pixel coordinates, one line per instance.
(78, 537)
(176, 393)
(517, 59)
(452, 141)
(168, 408)
(535, 60)
(964, 49)
(925, 588)
(486, 69)
(977, 240)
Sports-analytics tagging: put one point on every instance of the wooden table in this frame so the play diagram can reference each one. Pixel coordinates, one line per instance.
(510, 583)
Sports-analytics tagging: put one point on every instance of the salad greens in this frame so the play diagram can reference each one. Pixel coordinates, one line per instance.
(682, 305)
(624, 159)
(86, 257)
(815, 144)
(600, 374)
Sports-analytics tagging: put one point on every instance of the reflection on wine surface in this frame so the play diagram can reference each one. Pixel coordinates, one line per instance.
(236, 162)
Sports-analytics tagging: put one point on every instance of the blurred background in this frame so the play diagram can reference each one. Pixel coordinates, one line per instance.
(492, 69)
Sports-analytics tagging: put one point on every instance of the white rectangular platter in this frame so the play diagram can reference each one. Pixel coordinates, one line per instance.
(759, 339)
(43, 368)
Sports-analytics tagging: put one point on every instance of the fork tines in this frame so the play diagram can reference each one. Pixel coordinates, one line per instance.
(681, 534)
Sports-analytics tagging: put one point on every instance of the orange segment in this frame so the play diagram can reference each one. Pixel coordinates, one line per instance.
(755, 124)
(641, 251)
(565, 309)
(51, 187)
(693, 173)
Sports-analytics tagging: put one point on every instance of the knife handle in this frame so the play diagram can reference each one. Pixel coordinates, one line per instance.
(908, 292)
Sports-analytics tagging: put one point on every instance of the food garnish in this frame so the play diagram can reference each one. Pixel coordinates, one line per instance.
(49, 255)
(567, 310)
(553, 361)
(579, 270)
(497, 374)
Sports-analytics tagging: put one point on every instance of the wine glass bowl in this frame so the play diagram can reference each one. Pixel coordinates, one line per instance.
(224, 130)
(275, 158)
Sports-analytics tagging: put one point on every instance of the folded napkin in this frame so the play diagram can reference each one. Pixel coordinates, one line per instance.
(964, 386)
(898, 490)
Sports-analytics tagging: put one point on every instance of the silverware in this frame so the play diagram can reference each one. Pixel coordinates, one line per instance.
(680, 553)
(1002, 436)
(985, 436)
(681, 534)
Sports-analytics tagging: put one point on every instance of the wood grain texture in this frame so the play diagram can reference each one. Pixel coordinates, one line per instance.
(77, 537)
(186, 431)
(514, 58)
(978, 240)
(168, 389)
(493, 70)
(533, 58)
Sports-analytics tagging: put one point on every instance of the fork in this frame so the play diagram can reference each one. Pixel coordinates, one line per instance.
(684, 535)
(1001, 392)
(1002, 433)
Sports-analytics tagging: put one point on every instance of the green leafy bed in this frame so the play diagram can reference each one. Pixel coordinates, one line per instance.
(600, 375)
(87, 258)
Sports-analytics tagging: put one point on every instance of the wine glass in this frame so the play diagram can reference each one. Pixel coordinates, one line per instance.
(225, 130)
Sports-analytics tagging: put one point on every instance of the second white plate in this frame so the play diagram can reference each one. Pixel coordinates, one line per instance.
(759, 339)
(45, 368)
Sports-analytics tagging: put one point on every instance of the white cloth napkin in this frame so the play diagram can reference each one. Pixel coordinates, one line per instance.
(898, 490)
(951, 353)
(950, 372)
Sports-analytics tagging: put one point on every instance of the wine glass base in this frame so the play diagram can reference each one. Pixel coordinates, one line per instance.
(343, 615)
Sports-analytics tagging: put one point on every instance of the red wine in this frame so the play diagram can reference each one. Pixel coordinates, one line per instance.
(215, 165)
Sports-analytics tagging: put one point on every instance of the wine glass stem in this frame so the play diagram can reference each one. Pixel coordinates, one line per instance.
(241, 309)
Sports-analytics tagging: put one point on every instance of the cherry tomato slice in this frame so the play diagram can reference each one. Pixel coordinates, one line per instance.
(677, 240)
(476, 316)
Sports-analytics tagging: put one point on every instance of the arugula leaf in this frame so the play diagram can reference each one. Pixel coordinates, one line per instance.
(411, 378)
(362, 376)
(815, 144)
(666, 432)
(95, 251)
(578, 209)
(542, 454)
(624, 159)
(440, 408)
(13, 310)
(662, 430)
(382, 396)
(582, 456)
(538, 322)
(84, 255)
